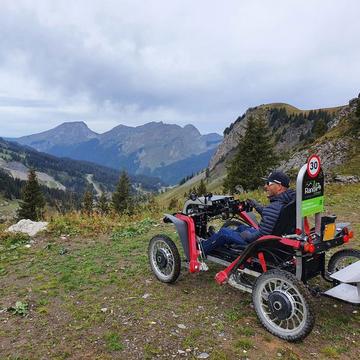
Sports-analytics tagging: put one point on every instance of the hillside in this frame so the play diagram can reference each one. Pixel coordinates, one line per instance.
(59, 174)
(296, 132)
(154, 149)
(295, 137)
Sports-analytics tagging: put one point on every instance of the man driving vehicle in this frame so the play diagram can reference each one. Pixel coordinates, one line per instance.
(279, 195)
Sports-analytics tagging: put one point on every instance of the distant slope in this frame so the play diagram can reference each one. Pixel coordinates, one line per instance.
(174, 172)
(68, 174)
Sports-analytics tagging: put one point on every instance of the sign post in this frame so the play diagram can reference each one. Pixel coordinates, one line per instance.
(310, 193)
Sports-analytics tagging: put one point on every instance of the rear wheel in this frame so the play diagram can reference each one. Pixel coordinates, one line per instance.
(164, 258)
(342, 259)
(283, 305)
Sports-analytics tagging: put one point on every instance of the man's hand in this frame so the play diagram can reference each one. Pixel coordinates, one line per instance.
(253, 203)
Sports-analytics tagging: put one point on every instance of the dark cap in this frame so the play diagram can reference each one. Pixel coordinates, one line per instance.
(279, 177)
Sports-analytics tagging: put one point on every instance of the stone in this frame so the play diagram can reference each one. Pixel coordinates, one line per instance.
(181, 326)
(28, 227)
(203, 355)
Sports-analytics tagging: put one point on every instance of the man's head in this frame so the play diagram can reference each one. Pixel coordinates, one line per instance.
(276, 183)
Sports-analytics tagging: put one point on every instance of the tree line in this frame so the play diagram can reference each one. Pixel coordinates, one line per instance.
(33, 199)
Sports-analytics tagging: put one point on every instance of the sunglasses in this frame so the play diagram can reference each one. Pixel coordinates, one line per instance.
(269, 183)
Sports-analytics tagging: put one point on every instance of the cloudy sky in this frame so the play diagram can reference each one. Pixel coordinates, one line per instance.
(181, 61)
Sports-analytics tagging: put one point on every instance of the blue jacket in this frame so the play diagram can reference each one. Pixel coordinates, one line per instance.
(270, 214)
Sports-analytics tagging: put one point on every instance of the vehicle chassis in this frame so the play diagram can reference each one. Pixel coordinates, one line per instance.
(275, 268)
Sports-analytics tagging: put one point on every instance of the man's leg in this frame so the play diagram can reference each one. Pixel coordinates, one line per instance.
(216, 240)
(222, 237)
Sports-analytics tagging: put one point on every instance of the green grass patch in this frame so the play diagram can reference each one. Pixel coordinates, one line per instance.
(244, 344)
(11, 240)
(112, 341)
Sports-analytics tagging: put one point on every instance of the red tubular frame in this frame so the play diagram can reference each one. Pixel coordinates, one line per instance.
(194, 265)
(222, 276)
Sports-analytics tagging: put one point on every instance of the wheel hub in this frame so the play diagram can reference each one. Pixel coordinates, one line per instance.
(280, 305)
(161, 259)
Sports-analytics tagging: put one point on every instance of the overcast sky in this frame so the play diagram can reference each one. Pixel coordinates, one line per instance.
(178, 61)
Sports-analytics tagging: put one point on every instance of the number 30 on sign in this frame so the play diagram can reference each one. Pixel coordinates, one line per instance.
(313, 166)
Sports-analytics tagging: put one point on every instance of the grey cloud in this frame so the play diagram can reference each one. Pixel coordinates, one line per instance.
(180, 61)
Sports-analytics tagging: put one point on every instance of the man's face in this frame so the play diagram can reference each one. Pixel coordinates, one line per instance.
(272, 188)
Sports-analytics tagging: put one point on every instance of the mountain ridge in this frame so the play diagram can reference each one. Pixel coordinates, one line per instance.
(144, 149)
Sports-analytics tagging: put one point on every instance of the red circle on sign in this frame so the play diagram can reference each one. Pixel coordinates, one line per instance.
(313, 166)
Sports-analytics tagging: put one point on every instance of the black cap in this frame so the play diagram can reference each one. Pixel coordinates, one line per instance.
(279, 177)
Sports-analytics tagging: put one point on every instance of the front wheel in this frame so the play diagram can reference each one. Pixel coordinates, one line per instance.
(164, 258)
(283, 305)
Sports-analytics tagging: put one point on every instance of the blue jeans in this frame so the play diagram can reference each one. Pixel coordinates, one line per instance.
(228, 236)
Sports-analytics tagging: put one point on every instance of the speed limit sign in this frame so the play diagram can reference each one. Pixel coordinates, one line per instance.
(313, 166)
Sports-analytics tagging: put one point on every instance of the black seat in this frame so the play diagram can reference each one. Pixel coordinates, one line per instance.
(286, 223)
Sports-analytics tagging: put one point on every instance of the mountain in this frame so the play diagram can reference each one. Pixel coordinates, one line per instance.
(297, 133)
(150, 149)
(62, 174)
(65, 134)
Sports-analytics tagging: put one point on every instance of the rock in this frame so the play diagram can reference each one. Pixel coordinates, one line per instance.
(181, 326)
(104, 310)
(346, 179)
(203, 355)
(181, 352)
(28, 227)
(145, 296)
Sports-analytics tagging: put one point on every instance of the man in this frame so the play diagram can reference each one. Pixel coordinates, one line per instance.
(279, 195)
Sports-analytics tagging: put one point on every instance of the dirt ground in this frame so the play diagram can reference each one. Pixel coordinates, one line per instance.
(96, 298)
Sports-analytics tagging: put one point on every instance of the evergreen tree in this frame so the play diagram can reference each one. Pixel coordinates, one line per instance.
(88, 202)
(201, 190)
(103, 204)
(33, 203)
(207, 173)
(255, 157)
(121, 199)
(319, 128)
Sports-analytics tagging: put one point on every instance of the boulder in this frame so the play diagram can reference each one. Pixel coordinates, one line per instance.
(28, 227)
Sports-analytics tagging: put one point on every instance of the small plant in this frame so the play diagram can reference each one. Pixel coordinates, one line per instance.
(330, 351)
(20, 308)
(112, 341)
(244, 344)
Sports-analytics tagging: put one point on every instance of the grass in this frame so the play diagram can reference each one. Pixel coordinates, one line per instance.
(112, 341)
(88, 301)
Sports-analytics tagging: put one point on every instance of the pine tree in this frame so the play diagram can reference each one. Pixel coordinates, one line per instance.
(103, 204)
(319, 128)
(121, 199)
(33, 203)
(201, 190)
(207, 173)
(255, 157)
(88, 202)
